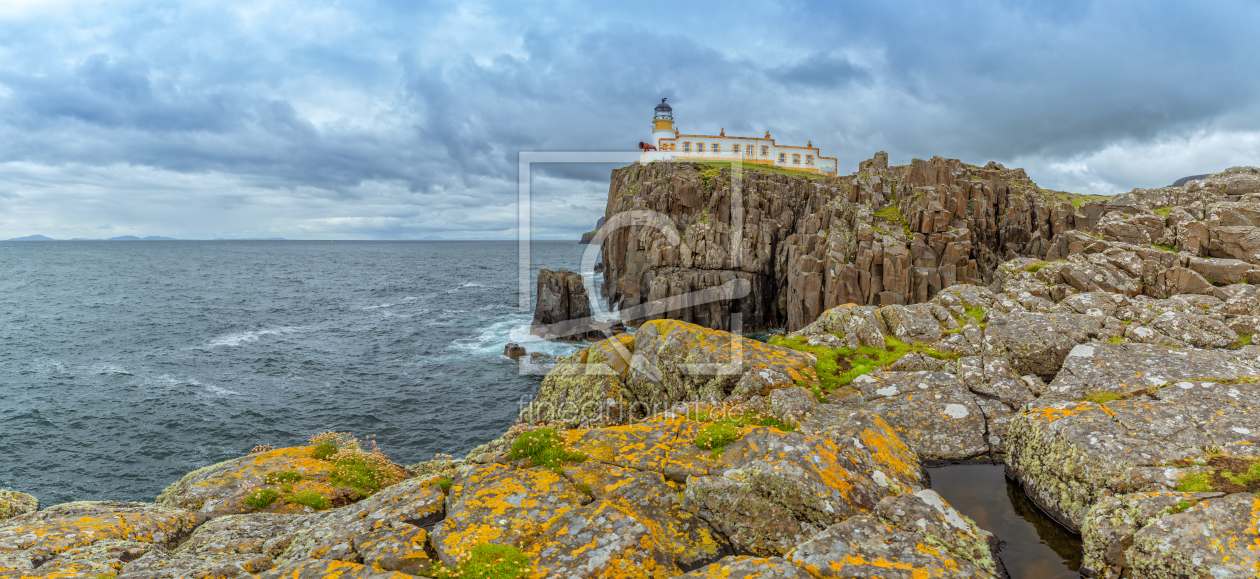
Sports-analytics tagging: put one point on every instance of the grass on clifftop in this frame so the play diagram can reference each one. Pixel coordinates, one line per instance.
(543, 447)
(364, 470)
(763, 169)
(726, 422)
(839, 367)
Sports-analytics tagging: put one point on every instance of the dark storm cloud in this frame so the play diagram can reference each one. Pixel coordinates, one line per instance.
(396, 120)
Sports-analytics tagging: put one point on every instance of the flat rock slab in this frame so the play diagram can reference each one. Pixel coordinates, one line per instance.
(782, 488)
(34, 539)
(746, 567)
(864, 546)
(653, 501)
(221, 489)
(1129, 368)
(1218, 538)
(933, 412)
(1068, 455)
(600, 540)
(1037, 343)
(499, 504)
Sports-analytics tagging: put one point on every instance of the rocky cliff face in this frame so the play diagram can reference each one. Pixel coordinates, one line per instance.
(801, 244)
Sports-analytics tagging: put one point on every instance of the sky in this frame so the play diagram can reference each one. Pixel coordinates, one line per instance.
(404, 120)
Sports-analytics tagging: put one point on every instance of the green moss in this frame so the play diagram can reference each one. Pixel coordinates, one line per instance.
(1163, 211)
(1164, 247)
(1196, 482)
(444, 483)
(839, 367)
(1116, 340)
(106, 576)
(488, 562)
(543, 447)
(1243, 340)
(261, 499)
(585, 489)
(1103, 397)
(1181, 506)
(976, 312)
(311, 499)
(1035, 267)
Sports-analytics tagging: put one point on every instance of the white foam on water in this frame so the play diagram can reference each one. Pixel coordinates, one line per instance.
(247, 337)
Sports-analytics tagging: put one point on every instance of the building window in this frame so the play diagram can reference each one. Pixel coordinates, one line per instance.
(699, 147)
(686, 147)
(796, 158)
(782, 157)
(717, 148)
(809, 159)
(735, 149)
(765, 150)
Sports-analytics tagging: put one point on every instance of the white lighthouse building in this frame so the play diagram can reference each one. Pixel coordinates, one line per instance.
(670, 145)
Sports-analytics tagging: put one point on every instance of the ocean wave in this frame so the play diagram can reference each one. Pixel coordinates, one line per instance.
(247, 337)
(514, 328)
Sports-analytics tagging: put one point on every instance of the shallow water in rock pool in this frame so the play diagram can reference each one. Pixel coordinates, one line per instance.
(1036, 547)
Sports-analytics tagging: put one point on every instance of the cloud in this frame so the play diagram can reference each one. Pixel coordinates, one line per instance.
(401, 120)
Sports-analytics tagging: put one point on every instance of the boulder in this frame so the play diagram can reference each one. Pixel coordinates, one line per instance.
(94, 536)
(1130, 368)
(322, 569)
(495, 503)
(1109, 526)
(781, 489)
(1070, 454)
(562, 309)
(224, 546)
(1194, 329)
(1213, 538)
(13, 503)
(1037, 343)
(221, 489)
(680, 362)
(864, 546)
(746, 567)
(857, 325)
(651, 500)
(599, 540)
(514, 350)
(932, 412)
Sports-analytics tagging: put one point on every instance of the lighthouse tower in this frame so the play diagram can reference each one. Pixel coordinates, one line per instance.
(663, 124)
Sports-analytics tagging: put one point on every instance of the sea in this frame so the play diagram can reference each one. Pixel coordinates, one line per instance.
(125, 365)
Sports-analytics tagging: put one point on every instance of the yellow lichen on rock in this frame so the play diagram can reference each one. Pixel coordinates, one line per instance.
(325, 569)
(498, 504)
(654, 502)
(222, 488)
(30, 540)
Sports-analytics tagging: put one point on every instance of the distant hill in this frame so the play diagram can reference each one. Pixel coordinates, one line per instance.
(1184, 180)
(36, 237)
(432, 238)
(249, 239)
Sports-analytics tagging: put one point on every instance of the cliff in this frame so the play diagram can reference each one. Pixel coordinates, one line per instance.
(805, 243)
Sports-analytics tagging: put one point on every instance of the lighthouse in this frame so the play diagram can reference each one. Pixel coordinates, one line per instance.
(663, 124)
(667, 144)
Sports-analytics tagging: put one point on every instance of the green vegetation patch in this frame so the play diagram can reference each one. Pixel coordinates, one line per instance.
(543, 447)
(1035, 267)
(716, 435)
(840, 366)
(1228, 474)
(1164, 247)
(1181, 506)
(279, 478)
(717, 165)
(1163, 211)
(311, 499)
(1243, 340)
(1103, 397)
(261, 499)
(488, 562)
(444, 483)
